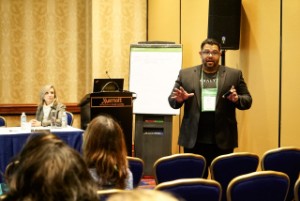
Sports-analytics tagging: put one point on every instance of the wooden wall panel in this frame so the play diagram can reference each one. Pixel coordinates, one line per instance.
(290, 128)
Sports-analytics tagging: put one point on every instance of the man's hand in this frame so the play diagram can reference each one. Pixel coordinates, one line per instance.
(180, 95)
(233, 97)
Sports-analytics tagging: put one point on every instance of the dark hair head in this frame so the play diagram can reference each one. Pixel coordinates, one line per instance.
(210, 41)
(105, 149)
(48, 169)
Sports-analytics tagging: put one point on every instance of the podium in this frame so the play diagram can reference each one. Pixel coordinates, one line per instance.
(116, 104)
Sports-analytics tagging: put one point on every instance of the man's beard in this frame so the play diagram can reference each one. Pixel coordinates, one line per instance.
(212, 63)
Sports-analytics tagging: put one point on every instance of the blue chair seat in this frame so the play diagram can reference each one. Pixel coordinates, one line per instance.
(259, 186)
(2, 122)
(286, 160)
(179, 166)
(192, 189)
(228, 166)
(136, 166)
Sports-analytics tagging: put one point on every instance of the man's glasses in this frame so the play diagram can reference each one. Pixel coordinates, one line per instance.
(208, 53)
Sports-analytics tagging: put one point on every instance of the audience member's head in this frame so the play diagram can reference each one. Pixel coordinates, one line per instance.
(105, 150)
(142, 195)
(48, 169)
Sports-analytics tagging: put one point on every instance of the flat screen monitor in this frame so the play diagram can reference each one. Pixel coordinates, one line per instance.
(108, 84)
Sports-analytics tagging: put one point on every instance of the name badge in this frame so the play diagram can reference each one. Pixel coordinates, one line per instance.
(209, 99)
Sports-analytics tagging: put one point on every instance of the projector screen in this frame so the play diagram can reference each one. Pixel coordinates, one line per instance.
(153, 71)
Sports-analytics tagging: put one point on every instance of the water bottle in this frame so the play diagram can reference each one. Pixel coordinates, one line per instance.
(64, 120)
(23, 120)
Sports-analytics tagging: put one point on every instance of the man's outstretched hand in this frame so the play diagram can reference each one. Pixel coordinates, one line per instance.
(180, 95)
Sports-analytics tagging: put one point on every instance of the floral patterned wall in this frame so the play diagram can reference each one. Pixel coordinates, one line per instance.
(66, 43)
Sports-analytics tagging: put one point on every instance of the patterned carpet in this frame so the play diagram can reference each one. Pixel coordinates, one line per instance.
(147, 182)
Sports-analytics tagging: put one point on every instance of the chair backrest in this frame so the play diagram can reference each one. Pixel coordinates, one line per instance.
(297, 190)
(226, 167)
(136, 166)
(192, 189)
(179, 166)
(259, 186)
(104, 194)
(2, 122)
(70, 117)
(284, 159)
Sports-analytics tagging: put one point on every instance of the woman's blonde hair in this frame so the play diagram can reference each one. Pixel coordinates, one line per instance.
(43, 92)
(142, 195)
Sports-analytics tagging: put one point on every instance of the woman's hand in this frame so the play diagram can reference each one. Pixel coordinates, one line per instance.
(35, 123)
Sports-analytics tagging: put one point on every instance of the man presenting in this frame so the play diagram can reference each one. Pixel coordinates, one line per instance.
(210, 94)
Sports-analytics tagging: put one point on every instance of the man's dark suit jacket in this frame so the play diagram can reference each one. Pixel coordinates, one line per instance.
(225, 116)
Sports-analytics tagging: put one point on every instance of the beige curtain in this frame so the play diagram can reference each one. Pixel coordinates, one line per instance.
(66, 43)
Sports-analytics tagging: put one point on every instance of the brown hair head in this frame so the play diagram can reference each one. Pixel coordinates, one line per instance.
(48, 169)
(105, 149)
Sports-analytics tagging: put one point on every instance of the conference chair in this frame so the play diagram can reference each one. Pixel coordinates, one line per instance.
(194, 189)
(179, 166)
(136, 166)
(228, 166)
(259, 186)
(70, 118)
(297, 190)
(286, 160)
(2, 121)
(104, 194)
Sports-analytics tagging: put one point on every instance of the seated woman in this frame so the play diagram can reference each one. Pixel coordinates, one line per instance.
(48, 104)
(105, 153)
(48, 169)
